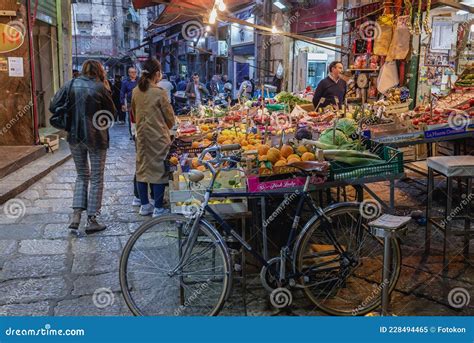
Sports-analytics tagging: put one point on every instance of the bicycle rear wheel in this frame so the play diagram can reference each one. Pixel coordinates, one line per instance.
(198, 288)
(332, 283)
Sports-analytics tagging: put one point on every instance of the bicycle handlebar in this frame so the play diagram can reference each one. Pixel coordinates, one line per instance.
(230, 147)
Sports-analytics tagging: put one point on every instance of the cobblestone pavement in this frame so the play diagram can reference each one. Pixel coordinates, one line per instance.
(44, 270)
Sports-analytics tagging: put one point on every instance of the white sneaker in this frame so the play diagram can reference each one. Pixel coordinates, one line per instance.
(136, 202)
(146, 210)
(160, 211)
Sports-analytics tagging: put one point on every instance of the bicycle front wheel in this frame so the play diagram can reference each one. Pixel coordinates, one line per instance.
(342, 264)
(156, 281)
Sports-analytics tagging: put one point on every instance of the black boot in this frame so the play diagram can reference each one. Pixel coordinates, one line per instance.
(76, 219)
(93, 226)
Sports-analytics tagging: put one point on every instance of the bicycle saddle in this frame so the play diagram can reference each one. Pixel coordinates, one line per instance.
(195, 175)
(319, 168)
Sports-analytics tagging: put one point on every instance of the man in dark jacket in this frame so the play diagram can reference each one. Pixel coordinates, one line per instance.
(331, 88)
(92, 112)
(196, 91)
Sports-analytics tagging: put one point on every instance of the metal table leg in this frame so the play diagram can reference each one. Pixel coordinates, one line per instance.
(264, 229)
(467, 220)
(428, 211)
(387, 262)
(447, 222)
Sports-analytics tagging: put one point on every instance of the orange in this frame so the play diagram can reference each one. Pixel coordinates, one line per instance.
(301, 149)
(308, 156)
(292, 160)
(174, 160)
(280, 163)
(263, 158)
(201, 168)
(294, 156)
(221, 139)
(195, 144)
(195, 162)
(286, 150)
(273, 155)
(262, 148)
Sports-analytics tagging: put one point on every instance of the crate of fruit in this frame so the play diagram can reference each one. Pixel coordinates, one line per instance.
(187, 200)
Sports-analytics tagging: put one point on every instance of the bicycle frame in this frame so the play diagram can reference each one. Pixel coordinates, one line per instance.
(302, 198)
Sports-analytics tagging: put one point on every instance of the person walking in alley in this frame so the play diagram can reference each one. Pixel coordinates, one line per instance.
(126, 95)
(196, 91)
(154, 118)
(88, 139)
(167, 86)
(116, 89)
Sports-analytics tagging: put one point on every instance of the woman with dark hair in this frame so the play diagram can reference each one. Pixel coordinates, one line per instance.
(92, 112)
(154, 118)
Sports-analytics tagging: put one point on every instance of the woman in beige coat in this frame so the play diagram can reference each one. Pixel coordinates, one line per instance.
(154, 117)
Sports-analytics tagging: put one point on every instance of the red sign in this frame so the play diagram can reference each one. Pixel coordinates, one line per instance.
(11, 38)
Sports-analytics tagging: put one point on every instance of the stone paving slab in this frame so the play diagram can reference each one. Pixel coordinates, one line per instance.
(34, 266)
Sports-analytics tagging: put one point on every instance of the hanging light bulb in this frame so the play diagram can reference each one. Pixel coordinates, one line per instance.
(221, 5)
(208, 28)
(274, 29)
(213, 16)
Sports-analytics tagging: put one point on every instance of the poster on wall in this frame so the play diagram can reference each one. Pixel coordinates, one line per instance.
(3, 64)
(15, 67)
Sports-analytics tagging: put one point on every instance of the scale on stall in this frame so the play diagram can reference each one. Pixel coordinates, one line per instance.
(362, 83)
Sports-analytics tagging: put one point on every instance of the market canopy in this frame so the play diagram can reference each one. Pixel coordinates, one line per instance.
(178, 11)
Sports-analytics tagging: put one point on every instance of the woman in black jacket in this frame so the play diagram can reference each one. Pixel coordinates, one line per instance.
(92, 113)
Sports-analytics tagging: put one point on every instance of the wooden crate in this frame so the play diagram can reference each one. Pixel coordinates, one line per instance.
(409, 153)
(178, 197)
(51, 142)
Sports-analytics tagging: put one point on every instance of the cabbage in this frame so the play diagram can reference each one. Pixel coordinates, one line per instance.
(346, 125)
(340, 138)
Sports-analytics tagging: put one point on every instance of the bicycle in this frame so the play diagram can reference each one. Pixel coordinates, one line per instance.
(181, 265)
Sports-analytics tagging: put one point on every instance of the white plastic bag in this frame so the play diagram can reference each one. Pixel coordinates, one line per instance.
(388, 77)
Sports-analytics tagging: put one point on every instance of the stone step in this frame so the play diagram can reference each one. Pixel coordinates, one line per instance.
(26, 175)
(16, 157)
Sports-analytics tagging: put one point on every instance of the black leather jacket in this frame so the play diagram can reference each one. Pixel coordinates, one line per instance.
(92, 112)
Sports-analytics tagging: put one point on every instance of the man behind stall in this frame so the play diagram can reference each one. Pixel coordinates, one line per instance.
(331, 87)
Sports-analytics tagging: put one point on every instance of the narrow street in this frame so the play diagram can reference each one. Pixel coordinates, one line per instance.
(45, 270)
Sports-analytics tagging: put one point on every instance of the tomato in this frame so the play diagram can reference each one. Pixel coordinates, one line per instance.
(416, 122)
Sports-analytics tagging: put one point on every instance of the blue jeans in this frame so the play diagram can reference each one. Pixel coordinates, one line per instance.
(158, 193)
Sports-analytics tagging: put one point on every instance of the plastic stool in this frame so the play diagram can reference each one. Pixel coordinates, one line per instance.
(388, 227)
(450, 167)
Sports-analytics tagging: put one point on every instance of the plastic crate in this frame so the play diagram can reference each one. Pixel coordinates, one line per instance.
(393, 165)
